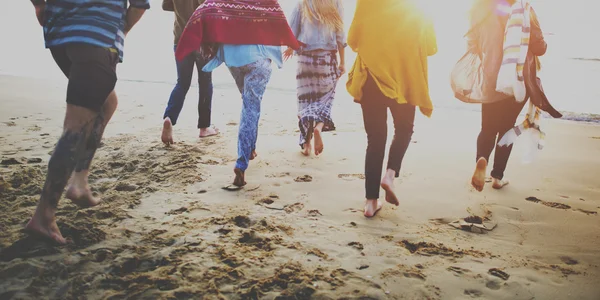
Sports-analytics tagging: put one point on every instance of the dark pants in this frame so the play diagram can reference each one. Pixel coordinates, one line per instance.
(375, 110)
(185, 70)
(497, 119)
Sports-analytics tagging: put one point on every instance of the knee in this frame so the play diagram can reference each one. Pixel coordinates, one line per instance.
(184, 83)
(404, 129)
(488, 130)
(376, 142)
(204, 78)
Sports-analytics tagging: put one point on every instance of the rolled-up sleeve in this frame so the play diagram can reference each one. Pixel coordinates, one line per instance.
(142, 4)
(296, 20)
(341, 34)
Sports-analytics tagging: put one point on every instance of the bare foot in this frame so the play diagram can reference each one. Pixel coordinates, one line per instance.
(208, 131)
(239, 177)
(306, 149)
(499, 183)
(253, 155)
(318, 142)
(44, 225)
(372, 207)
(388, 186)
(82, 196)
(167, 132)
(478, 180)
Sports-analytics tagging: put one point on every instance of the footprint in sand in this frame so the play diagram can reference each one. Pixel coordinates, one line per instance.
(210, 162)
(493, 285)
(265, 201)
(34, 128)
(318, 253)
(560, 205)
(414, 272)
(499, 273)
(278, 175)
(569, 261)
(587, 212)
(458, 271)
(242, 221)
(351, 176)
(356, 245)
(304, 178)
(177, 211)
(549, 204)
(473, 293)
(314, 213)
(296, 207)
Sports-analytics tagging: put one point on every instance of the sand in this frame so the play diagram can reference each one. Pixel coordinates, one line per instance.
(167, 229)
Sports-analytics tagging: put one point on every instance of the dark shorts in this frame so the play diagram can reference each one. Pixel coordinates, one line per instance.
(91, 71)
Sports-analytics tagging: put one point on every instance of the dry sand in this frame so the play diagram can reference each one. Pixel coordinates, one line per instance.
(166, 229)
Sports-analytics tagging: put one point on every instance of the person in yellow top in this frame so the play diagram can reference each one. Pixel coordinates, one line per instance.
(392, 39)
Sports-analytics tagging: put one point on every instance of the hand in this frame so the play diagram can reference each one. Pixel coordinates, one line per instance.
(39, 13)
(342, 69)
(287, 53)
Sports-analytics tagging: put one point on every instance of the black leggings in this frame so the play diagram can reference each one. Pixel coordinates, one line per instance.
(497, 119)
(374, 106)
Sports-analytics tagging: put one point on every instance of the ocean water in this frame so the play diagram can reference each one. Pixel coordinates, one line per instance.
(571, 67)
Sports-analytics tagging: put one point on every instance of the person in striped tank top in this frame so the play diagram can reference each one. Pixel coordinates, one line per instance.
(86, 39)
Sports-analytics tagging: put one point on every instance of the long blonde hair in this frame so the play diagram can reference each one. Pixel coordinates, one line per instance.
(324, 12)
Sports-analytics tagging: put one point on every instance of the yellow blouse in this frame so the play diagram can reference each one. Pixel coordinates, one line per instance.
(393, 39)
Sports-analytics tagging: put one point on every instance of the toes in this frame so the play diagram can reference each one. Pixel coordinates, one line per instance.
(59, 239)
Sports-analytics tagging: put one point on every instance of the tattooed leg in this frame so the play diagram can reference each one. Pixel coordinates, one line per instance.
(79, 190)
(78, 124)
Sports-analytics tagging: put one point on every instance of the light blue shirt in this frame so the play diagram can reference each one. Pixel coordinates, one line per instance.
(316, 36)
(241, 55)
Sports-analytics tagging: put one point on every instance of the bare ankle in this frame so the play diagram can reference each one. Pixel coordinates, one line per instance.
(44, 213)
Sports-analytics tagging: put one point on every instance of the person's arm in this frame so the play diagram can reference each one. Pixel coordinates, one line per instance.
(296, 20)
(167, 5)
(342, 64)
(136, 10)
(40, 7)
(491, 38)
(296, 26)
(537, 44)
(340, 35)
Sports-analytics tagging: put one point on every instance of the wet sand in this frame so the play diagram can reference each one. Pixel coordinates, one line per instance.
(167, 229)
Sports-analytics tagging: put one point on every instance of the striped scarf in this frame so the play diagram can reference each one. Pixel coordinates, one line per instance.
(511, 80)
(516, 44)
(530, 126)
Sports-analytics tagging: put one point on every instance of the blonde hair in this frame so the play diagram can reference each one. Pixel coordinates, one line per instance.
(324, 12)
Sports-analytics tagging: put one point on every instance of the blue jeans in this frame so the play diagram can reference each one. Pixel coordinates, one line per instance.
(185, 70)
(252, 82)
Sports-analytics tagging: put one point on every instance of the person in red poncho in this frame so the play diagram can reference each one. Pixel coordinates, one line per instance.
(247, 36)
